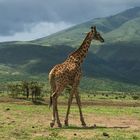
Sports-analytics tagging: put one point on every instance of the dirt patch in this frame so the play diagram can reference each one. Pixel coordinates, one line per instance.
(84, 102)
(107, 123)
(75, 130)
(111, 103)
(114, 122)
(22, 101)
(105, 103)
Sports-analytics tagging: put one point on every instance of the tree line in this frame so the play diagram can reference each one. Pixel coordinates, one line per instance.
(27, 89)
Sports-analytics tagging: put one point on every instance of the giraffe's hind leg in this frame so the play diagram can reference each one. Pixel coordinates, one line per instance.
(55, 116)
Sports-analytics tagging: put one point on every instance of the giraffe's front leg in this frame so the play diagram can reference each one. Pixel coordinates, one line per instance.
(80, 110)
(68, 110)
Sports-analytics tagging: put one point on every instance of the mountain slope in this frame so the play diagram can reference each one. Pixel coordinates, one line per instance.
(35, 59)
(74, 35)
(33, 62)
(128, 32)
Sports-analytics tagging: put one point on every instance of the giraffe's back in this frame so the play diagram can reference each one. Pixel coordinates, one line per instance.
(65, 73)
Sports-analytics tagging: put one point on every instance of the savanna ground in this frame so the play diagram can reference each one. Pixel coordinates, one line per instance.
(115, 119)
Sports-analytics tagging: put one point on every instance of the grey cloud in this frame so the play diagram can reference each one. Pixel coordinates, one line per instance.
(16, 15)
(36, 31)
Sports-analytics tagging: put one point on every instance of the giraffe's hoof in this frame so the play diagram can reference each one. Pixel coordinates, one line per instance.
(66, 123)
(59, 125)
(51, 124)
(84, 124)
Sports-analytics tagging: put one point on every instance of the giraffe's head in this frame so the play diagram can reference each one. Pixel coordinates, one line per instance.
(96, 35)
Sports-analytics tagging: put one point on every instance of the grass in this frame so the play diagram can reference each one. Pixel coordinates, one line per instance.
(25, 121)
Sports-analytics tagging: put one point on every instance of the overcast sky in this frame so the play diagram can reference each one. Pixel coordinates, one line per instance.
(31, 19)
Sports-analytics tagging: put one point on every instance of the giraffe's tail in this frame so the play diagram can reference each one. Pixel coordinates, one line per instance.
(52, 83)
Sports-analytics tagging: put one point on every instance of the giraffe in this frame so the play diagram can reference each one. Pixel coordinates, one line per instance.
(69, 73)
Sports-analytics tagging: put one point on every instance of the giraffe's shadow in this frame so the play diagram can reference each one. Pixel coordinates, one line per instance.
(94, 127)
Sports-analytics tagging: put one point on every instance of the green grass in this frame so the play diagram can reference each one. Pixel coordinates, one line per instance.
(25, 121)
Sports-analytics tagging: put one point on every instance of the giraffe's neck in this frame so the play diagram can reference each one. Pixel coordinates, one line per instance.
(79, 55)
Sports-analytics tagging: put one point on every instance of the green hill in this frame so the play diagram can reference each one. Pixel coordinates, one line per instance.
(113, 65)
(111, 28)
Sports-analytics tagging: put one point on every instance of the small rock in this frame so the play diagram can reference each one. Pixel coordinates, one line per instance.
(13, 121)
(7, 109)
(105, 134)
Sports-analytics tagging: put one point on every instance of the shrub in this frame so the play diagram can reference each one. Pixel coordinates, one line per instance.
(135, 97)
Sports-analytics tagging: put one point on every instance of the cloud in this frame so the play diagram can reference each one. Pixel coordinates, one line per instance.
(36, 31)
(21, 16)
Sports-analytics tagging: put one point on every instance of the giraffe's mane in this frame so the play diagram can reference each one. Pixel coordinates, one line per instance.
(84, 42)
